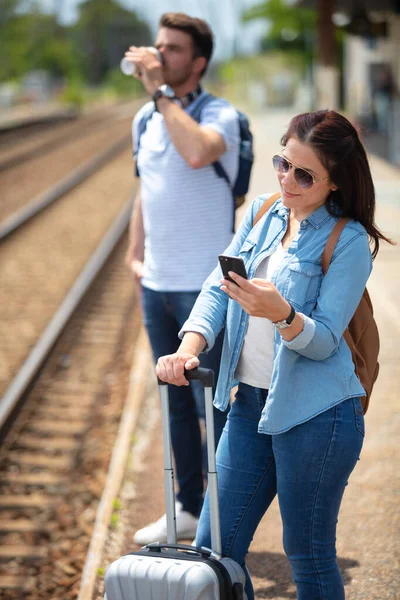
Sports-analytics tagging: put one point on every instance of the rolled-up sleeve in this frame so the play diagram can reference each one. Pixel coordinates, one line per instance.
(222, 118)
(304, 337)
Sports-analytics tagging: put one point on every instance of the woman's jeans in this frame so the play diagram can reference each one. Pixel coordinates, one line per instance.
(308, 467)
(164, 313)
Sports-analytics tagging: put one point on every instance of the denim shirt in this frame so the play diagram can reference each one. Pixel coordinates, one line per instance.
(314, 371)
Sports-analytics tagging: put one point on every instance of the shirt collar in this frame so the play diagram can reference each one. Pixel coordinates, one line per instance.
(318, 218)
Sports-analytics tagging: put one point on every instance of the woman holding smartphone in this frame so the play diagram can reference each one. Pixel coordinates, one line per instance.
(296, 426)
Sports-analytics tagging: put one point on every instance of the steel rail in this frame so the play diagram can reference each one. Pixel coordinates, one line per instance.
(58, 190)
(14, 124)
(50, 335)
(57, 142)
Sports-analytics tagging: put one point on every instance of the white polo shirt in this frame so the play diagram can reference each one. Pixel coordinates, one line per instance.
(187, 213)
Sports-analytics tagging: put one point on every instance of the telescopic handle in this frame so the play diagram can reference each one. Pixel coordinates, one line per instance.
(205, 376)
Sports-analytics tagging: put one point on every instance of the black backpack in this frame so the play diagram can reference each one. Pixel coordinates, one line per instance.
(240, 186)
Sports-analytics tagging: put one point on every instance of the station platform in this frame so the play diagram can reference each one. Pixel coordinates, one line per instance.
(22, 116)
(368, 540)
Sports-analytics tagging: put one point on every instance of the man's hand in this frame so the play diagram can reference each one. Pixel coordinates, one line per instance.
(148, 68)
(135, 266)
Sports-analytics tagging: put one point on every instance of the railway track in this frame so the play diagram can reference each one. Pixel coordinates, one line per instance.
(23, 144)
(55, 456)
(41, 262)
(70, 322)
(28, 183)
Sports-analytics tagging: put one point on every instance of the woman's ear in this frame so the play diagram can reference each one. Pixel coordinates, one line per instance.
(334, 187)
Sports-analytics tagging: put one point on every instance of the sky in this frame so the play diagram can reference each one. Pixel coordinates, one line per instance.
(222, 15)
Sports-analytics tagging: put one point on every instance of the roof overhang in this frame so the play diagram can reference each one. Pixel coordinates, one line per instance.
(348, 6)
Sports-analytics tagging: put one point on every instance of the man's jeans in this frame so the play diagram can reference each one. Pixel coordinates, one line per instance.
(164, 314)
(308, 467)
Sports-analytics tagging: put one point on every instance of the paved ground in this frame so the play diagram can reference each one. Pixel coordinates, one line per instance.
(369, 528)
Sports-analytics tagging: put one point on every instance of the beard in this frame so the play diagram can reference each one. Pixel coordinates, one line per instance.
(177, 78)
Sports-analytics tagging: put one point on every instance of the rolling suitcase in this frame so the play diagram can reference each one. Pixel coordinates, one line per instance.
(174, 571)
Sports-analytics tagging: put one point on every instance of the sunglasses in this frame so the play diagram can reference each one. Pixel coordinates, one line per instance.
(303, 178)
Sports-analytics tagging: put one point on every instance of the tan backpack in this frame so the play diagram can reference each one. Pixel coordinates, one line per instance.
(362, 335)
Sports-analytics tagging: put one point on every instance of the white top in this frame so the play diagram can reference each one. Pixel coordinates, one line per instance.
(187, 213)
(256, 359)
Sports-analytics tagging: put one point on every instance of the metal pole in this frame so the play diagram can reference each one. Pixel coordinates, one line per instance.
(169, 487)
(215, 524)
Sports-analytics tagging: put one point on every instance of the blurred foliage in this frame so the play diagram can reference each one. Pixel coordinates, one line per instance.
(103, 32)
(291, 28)
(123, 85)
(283, 16)
(74, 92)
(88, 52)
(32, 41)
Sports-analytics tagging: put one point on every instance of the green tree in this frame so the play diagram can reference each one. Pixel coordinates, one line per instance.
(7, 10)
(33, 40)
(104, 32)
(291, 28)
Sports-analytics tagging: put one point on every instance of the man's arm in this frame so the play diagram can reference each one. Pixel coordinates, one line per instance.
(198, 146)
(135, 254)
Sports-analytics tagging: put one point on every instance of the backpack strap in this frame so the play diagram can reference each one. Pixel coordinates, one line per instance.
(331, 243)
(141, 128)
(196, 113)
(325, 262)
(196, 116)
(266, 206)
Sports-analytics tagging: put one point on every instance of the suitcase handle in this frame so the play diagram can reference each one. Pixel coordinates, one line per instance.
(158, 547)
(206, 376)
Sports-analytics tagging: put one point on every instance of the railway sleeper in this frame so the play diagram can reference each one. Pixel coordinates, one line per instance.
(48, 444)
(17, 583)
(31, 459)
(23, 552)
(73, 427)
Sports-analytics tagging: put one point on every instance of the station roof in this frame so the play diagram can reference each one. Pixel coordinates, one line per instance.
(347, 6)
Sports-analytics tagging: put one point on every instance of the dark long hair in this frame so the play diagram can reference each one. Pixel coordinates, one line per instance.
(336, 142)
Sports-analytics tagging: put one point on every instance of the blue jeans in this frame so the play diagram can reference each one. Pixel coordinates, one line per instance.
(308, 467)
(164, 314)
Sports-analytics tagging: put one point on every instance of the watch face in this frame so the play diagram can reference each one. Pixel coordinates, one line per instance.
(281, 325)
(167, 91)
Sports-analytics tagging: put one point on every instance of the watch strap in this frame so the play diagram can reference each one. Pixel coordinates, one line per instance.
(288, 321)
(160, 93)
(291, 316)
(157, 94)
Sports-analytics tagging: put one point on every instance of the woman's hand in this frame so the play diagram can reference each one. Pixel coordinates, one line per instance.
(170, 368)
(258, 297)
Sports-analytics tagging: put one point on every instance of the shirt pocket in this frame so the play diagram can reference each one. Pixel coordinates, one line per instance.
(246, 250)
(303, 285)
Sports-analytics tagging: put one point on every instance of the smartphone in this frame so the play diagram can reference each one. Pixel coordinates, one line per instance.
(232, 263)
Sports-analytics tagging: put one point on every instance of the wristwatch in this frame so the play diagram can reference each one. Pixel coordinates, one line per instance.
(164, 91)
(286, 322)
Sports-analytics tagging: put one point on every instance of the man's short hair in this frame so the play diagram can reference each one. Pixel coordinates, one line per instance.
(199, 31)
